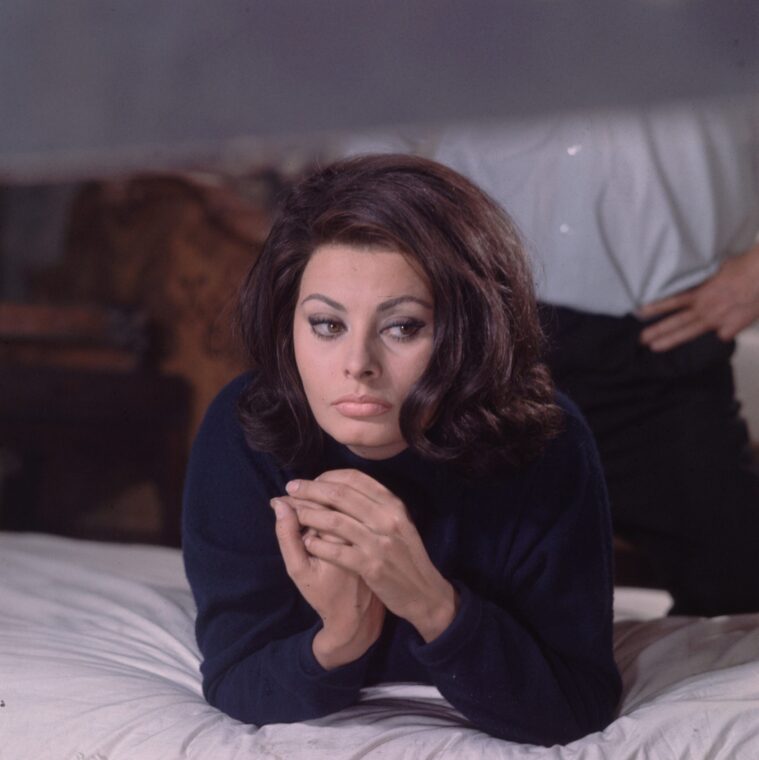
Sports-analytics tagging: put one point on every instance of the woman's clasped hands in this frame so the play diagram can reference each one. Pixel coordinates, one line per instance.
(353, 552)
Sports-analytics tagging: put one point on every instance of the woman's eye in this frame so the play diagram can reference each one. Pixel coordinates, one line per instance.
(404, 330)
(326, 328)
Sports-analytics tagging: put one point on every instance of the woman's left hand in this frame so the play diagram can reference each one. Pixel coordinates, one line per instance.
(381, 544)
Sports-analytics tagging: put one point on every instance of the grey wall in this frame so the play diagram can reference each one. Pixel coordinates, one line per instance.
(96, 86)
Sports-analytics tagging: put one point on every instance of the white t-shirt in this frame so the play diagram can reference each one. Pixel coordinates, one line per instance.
(617, 208)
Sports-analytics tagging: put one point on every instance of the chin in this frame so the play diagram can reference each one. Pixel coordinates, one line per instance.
(365, 435)
(363, 439)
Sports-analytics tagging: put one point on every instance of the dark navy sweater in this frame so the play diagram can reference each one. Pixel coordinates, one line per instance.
(528, 656)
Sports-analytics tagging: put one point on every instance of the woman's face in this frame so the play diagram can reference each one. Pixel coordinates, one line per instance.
(362, 332)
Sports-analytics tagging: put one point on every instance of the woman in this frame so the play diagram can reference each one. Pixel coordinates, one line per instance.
(396, 492)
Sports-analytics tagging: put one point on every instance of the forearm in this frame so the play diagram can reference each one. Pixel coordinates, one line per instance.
(282, 683)
(509, 684)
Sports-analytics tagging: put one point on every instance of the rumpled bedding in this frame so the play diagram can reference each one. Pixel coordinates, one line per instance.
(98, 661)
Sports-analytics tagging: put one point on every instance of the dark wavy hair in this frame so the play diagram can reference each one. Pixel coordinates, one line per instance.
(491, 393)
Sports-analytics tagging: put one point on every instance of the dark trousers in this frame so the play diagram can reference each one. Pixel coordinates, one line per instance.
(683, 485)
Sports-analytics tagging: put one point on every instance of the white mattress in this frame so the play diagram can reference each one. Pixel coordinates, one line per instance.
(98, 662)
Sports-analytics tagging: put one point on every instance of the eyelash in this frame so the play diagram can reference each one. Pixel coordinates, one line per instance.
(413, 324)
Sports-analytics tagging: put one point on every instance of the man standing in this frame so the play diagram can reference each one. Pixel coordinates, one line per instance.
(643, 227)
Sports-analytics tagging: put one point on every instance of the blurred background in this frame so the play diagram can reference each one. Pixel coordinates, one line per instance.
(144, 145)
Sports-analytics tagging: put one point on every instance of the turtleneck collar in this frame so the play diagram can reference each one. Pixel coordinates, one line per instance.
(337, 455)
(414, 480)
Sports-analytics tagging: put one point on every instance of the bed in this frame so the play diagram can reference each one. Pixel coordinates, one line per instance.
(98, 662)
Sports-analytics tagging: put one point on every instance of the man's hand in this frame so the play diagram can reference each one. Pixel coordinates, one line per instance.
(379, 543)
(726, 303)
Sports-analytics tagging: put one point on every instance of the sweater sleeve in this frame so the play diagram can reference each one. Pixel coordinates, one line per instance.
(253, 628)
(533, 662)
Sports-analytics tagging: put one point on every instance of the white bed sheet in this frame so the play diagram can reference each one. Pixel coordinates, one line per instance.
(98, 662)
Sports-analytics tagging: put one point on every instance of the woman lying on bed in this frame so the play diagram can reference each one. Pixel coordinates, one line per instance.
(396, 492)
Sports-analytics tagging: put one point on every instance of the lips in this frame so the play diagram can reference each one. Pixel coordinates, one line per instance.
(361, 406)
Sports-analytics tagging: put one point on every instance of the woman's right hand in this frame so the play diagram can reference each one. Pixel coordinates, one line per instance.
(351, 614)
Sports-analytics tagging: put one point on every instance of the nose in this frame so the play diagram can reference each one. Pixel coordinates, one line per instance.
(360, 360)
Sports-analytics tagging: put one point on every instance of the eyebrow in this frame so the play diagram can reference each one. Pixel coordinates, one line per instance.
(391, 303)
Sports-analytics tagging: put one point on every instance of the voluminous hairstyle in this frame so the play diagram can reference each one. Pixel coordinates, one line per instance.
(491, 394)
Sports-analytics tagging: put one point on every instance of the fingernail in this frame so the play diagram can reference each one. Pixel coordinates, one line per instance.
(280, 508)
(292, 486)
